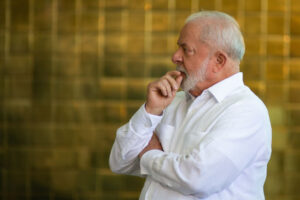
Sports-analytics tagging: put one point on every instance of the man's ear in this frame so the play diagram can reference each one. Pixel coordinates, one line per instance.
(220, 61)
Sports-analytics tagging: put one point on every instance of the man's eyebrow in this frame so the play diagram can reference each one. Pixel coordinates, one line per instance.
(181, 44)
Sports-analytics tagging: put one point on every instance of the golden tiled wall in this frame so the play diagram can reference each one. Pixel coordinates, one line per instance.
(72, 71)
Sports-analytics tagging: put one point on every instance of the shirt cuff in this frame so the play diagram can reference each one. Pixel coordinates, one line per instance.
(146, 162)
(142, 120)
(155, 119)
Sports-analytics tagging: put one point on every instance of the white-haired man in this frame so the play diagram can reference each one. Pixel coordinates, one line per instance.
(211, 141)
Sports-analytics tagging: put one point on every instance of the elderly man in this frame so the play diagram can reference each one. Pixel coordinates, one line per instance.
(212, 140)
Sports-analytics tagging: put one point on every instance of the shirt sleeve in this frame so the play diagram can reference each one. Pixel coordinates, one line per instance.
(231, 145)
(130, 140)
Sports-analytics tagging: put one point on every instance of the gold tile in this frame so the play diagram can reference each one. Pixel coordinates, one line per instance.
(18, 88)
(252, 23)
(136, 21)
(89, 22)
(63, 181)
(228, 5)
(18, 66)
(136, 67)
(66, 5)
(159, 4)
(135, 43)
(275, 70)
(136, 4)
(294, 94)
(294, 116)
(279, 136)
(180, 18)
(275, 24)
(253, 45)
(19, 15)
(114, 67)
(275, 47)
(2, 42)
(42, 44)
(183, 5)
(66, 22)
(232, 13)
(2, 14)
(253, 5)
(19, 43)
(295, 5)
(66, 16)
(115, 43)
(65, 44)
(66, 67)
(275, 94)
(90, 66)
(294, 69)
(43, 15)
(159, 44)
(160, 66)
(159, 21)
(90, 6)
(89, 43)
(101, 22)
(115, 4)
(206, 5)
(172, 42)
(251, 67)
(113, 21)
(277, 5)
(295, 24)
(294, 46)
(277, 115)
(111, 89)
(136, 89)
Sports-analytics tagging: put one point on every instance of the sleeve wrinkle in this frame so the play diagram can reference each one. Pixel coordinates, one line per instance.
(188, 175)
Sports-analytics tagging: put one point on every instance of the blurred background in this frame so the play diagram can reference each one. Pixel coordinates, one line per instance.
(73, 71)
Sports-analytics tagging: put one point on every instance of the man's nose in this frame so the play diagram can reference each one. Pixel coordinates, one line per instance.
(177, 57)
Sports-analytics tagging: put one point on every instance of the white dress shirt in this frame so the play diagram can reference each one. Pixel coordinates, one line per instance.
(216, 146)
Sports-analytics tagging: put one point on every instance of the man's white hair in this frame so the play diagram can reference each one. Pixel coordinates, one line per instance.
(221, 31)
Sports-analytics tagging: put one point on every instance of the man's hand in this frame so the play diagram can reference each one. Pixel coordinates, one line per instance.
(161, 92)
(153, 144)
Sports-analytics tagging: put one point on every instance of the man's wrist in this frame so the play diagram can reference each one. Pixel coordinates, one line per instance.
(154, 111)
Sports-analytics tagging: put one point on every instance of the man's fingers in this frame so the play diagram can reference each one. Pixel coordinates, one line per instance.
(179, 79)
(172, 77)
(174, 73)
(167, 86)
(172, 82)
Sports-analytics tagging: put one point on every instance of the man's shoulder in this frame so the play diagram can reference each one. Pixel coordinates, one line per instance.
(247, 100)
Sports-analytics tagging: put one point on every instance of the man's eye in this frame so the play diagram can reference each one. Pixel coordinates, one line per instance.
(186, 50)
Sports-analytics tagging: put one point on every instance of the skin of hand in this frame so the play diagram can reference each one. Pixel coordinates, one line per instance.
(160, 93)
(154, 143)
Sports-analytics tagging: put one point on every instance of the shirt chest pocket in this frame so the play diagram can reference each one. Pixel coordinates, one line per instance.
(195, 139)
(164, 133)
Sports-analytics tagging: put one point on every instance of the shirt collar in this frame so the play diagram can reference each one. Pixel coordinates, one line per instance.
(223, 88)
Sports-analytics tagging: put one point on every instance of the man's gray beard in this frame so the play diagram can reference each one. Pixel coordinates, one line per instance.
(191, 81)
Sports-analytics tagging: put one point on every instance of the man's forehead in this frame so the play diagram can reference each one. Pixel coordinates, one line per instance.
(189, 31)
(187, 39)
